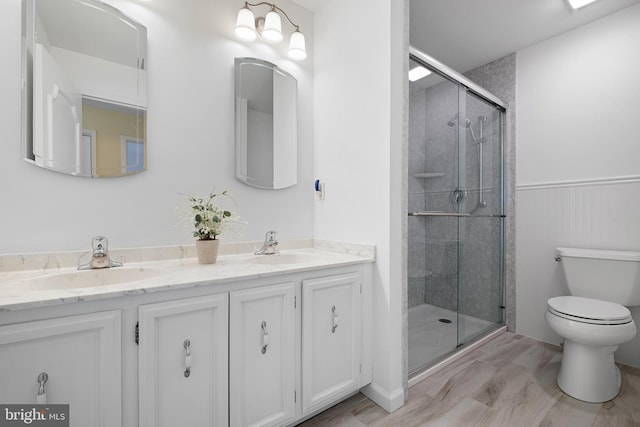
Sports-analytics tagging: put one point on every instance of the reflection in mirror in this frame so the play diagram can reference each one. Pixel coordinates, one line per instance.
(266, 124)
(84, 88)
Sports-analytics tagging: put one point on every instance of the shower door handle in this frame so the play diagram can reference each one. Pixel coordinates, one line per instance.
(456, 214)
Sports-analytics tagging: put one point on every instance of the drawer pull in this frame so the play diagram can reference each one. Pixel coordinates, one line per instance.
(41, 399)
(265, 337)
(187, 358)
(334, 320)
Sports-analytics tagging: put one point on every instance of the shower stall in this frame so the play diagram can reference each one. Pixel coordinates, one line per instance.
(456, 213)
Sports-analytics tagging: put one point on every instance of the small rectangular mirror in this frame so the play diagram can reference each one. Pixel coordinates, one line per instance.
(84, 88)
(266, 122)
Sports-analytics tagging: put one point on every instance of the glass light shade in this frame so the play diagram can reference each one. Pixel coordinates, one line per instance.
(245, 25)
(272, 30)
(297, 48)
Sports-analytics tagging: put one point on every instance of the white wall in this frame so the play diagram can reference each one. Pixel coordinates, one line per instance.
(578, 104)
(190, 133)
(357, 133)
(578, 176)
(357, 153)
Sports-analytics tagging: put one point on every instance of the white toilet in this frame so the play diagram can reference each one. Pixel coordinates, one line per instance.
(594, 320)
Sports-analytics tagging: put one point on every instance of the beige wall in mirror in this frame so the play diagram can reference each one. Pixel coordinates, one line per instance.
(84, 97)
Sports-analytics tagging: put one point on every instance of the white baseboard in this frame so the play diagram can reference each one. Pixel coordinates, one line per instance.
(389, 401)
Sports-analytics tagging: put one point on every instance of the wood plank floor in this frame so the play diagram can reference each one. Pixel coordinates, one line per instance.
(509, 381)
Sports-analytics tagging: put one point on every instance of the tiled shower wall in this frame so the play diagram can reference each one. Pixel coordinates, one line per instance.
(434, 253)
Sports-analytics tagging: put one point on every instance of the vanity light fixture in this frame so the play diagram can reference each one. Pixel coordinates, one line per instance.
(577, 4)
(416, 73)
(270, 28)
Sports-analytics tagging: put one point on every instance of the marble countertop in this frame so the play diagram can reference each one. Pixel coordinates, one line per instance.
(19, 288)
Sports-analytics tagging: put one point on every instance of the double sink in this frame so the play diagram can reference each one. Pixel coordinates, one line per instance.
(79, 279)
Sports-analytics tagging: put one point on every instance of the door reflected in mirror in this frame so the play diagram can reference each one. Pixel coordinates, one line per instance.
(84, 93)
(266, 136)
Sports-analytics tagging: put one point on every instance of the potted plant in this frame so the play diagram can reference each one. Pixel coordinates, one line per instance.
(209, 221)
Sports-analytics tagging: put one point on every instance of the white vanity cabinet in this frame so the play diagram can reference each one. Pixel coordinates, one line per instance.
(331, 339)
(81, 356)
(262, 355)
(183, 361)
(270, 348)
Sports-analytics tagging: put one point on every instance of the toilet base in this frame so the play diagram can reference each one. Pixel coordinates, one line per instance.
(588, 372)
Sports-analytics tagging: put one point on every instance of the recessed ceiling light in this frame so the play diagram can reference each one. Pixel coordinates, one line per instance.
(577, 4)
(417, 73)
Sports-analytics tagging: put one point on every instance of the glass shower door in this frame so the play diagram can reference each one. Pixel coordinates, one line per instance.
(455, 203)
(480, 234)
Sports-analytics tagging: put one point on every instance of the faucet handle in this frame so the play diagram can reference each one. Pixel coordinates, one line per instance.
(100, 244)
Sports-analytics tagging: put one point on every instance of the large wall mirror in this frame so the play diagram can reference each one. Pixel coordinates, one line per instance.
(266, 124)
(84, 88)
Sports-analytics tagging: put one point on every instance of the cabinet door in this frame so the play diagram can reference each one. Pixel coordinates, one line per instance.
(262, 356)
(81, 356)
(171, 393)
(331, 341)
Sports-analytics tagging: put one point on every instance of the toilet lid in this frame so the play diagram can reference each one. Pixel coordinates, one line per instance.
(590, 310)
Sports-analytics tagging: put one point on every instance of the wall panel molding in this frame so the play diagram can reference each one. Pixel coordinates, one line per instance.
(581, 182)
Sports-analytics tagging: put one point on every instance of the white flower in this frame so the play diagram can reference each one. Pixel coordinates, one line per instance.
(209, 220)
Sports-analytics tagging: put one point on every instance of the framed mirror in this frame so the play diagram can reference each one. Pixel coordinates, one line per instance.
(266, 123)
(84, 88)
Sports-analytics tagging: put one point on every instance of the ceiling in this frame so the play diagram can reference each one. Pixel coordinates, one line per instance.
(81, 27)
(465, 34)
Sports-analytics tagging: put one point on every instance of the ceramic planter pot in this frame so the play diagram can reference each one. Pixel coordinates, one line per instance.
(207, 251)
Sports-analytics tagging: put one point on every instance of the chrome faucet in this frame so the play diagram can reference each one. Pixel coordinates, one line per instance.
(270, 243)
(100, 255)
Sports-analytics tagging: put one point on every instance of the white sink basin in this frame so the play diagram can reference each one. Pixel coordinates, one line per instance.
(277, 259)
(89, 278)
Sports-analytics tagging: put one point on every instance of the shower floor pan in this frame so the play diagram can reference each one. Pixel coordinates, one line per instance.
(430, 338)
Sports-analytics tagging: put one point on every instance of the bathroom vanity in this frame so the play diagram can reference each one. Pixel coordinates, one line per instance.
(251, 340)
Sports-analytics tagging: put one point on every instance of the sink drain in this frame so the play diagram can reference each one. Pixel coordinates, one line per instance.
(444, 320)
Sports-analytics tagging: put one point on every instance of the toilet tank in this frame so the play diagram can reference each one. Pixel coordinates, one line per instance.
(602, 274)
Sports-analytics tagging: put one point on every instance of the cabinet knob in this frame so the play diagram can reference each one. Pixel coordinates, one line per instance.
(41, 399)
(187, 357)
(265, 337)
(334, 320)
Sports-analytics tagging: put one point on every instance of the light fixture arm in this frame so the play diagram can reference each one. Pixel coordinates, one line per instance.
(273, 6)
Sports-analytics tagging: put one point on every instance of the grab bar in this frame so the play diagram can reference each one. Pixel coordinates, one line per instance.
(455, 214)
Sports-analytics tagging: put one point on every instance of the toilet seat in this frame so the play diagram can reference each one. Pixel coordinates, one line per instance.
(589, 310)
